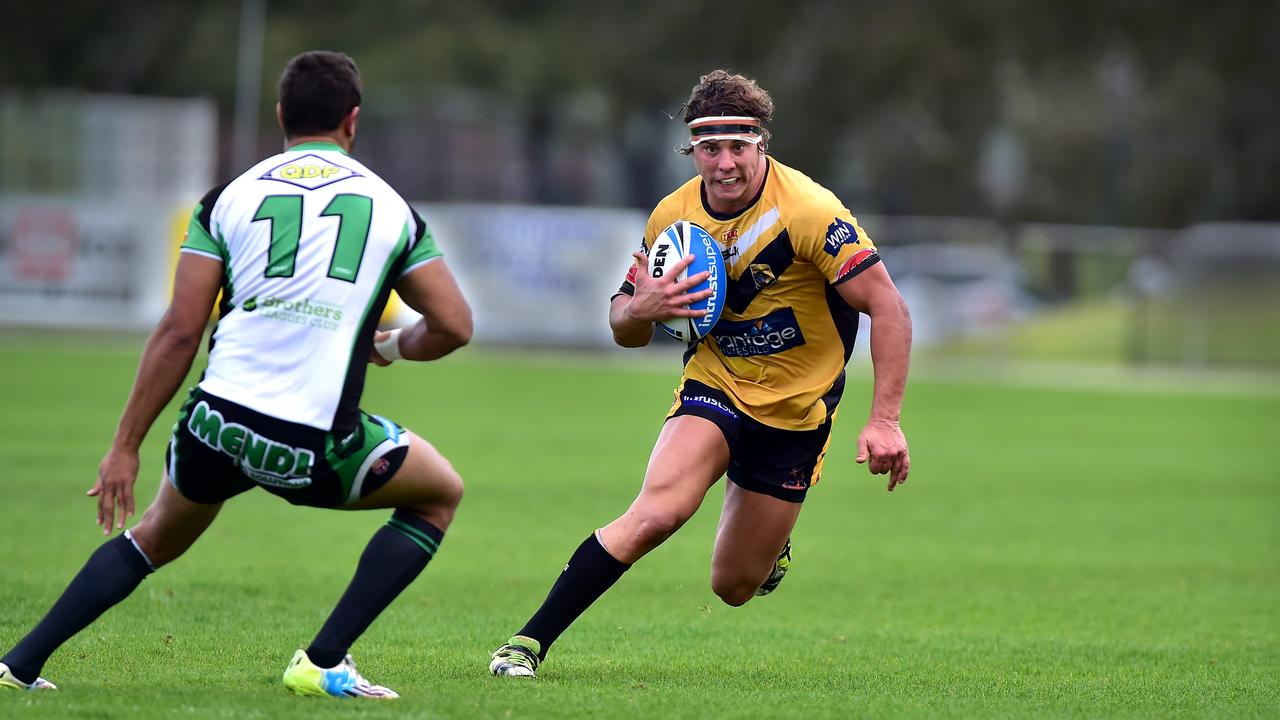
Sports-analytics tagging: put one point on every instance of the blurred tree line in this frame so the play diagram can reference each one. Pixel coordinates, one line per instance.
(1132, 112)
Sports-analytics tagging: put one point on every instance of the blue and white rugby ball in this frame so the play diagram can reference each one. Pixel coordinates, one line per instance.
(679, 239)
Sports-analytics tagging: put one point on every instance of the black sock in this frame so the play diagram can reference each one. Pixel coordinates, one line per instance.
(112, 572)
(590, 572)
(395, 555)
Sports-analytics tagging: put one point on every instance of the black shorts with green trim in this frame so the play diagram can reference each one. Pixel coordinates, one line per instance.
(763, 459)
(220, 449)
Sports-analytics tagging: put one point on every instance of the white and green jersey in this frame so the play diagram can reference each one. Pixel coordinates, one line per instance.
(311, 243)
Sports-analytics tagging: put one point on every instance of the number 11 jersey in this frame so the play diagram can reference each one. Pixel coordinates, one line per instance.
(311, 243)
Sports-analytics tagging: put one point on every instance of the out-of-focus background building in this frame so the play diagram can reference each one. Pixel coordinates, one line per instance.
(1082, 182)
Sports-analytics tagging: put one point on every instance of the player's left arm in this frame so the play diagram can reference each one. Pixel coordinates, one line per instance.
(445, 324)
(165, 361)
(881, 441)
(427, 286)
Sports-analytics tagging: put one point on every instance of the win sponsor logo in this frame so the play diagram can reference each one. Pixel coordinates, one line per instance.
(774, 333)
(839, 232)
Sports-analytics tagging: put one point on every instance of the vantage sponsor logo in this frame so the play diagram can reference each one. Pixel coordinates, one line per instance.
(262, 459)
(774, 333)
(306, 311)
(839, 232)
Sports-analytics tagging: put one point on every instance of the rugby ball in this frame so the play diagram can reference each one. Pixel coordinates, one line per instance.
(679, 239)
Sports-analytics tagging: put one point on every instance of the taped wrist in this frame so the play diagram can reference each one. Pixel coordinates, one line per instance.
(389, 348)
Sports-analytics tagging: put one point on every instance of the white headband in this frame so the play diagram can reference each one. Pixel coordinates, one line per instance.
(725, 127)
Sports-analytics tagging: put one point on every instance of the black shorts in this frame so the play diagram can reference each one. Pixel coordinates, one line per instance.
(220, 449)
(763, 459)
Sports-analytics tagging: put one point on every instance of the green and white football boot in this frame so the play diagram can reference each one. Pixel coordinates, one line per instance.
(518, 658)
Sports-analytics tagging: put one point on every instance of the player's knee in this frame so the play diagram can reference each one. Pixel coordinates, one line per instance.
(734, 591)
(446, 494)
(451, 488)
(654, 526)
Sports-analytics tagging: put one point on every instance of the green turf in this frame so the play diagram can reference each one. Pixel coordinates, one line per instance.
(1056, 553)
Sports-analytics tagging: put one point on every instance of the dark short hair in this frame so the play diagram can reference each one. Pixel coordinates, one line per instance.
(316, 91)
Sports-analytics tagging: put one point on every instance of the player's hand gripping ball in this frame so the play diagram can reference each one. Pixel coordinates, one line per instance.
(683, 238)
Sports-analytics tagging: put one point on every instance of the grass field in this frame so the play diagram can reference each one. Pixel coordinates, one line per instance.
(1056, 553)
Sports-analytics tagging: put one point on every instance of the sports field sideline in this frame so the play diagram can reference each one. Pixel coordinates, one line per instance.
(1062, 549)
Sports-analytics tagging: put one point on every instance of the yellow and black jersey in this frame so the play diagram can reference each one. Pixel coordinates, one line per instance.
(781, 344)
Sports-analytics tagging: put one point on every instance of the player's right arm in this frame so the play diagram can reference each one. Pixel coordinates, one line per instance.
(165, 361)
(632, 315)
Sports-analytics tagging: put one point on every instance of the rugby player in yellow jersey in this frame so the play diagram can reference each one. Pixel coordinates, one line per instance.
(759, 395)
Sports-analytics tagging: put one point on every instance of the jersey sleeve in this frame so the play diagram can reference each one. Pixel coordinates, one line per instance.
(201, 239)
(651, 230)
(829, 237)
(424, 248)
(628, 286)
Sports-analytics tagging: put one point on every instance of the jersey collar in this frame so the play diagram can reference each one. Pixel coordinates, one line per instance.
(317, 145)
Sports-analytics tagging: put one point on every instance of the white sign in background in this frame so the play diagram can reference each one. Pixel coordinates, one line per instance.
(83, 263)
(537, 275)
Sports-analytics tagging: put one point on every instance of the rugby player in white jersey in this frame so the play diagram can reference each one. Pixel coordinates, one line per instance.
(305, 248)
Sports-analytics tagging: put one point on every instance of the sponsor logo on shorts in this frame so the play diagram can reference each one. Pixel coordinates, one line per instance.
(707, 402)
(773, 333)
(262, 459)
(839, 232)
(852, 263)
(380, 466)
(391, 429)
(798, 480)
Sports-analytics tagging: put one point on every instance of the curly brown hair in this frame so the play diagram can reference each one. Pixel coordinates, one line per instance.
(720, 92)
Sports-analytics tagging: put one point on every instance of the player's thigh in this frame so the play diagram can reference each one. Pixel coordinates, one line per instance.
(754, 527)
(693, 450)
(690, 455)
(426, 478)
(171, 524)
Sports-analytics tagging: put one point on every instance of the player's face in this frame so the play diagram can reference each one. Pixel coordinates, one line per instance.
(731, 171)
